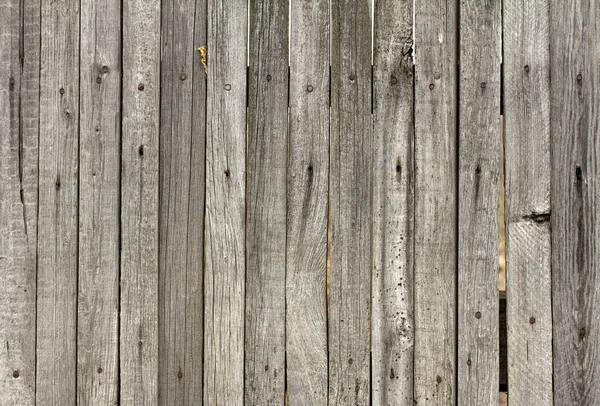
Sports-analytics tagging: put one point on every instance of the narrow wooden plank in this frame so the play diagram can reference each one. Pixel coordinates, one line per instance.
(266, 206)
(527, 200)
(181, 218)
(307, 192)
(99, 178)
(435, 201)
(139, 202)
(17, 245)
(479, 142)
(225, 228)
(575, 190)
(58, 219)
(349, 203)
(392, 322)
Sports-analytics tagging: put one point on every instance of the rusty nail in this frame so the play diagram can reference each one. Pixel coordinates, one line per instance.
(269, 77)
(469, 362)
(228, 87)
(431, 86)
(582, 333)
(438, 379)
(179, 374)
(531, 320)
(104, 69)
(140, 343)
(16, 373)
(394, 80)
(350, 361)
(141, 87)
(579, 77)
(98, 80)
(61, 91)
(526, 68)
(182, 76)
(266, 367)
(352, 77)
(478, 315)
(483, 85)
(309, 88)
(99, 370)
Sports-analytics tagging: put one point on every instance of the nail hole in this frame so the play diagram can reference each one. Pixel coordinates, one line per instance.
(352, 77)
(227, 173)
(98, 80)
(141, 150)
(526, 68)
(61, 91)
(431, 86)
(309, 88)
(350, 361)
(582, 333)
(104, 69)
(437, 75)
(393, 81)
(483, 85)
(266, 367)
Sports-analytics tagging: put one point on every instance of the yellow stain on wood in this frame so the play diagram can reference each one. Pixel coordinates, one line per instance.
(203, 54)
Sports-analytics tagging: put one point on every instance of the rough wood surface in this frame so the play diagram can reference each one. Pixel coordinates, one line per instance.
(392, 321)
(99, 179)
(267, 125)
(139, 202)
(307, 193)
(479, 142)
(575, 190)
(58, 218)
(349, 204)
(435, 202)
(527, 200)
(181, 217)
(18, 139)
(225, 228)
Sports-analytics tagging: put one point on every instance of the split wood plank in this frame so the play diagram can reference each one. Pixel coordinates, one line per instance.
(478, 182)
(392, 322)
(575, 191)
(435, 201)
(267, 124)
(58, 205)
(527, 200)
(225, 228)
(18, 203)
(99, 179)
(350, 203)
(181, 217)
(139, 202)
(307, 206)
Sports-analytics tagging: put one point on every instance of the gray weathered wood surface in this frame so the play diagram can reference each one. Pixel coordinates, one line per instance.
(392, 313)
(527, 200)
(267, 125)
(307, 208)
(478, 172)
(18, 201)
(139, 203)
(435, 202)
(56, 340)
(181, 216)
(574, 129)
(99, 179)
(225, 227)
(349, 204)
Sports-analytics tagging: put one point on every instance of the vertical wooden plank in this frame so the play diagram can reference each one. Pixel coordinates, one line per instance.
(225, 228)
(479, 142)
(307, 193)
(181, 218)
(18, 148)
(392, 323)
(349, 203)
(575, 190)
(139, 202)
(266, 212)
(99, 178)
(527, 200)
(58, 189)
(436, 32)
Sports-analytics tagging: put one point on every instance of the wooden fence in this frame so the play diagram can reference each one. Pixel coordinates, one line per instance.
(274, 202)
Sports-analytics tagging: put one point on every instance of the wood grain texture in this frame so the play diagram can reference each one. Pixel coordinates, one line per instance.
(349, 203)
(574, 129)
(58, 218)
(99, 179)
(17, 211)
(225, 228)
(307, 193)
(527, 200)
(479, 142)
(139, 202)
(435, 202)
(267, 125)
(392, 321)
(181, 217)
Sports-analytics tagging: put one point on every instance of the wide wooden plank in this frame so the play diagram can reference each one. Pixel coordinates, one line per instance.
(575, 191)
(527, 200)
(225, 227)
(139, 202)
(181, 217)
(99, 178)
(392, 322)
(266, 207)
(307, 192)
(435, 202)
(479, 142)
(349, 203)
(17, 210)
(58, 218)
